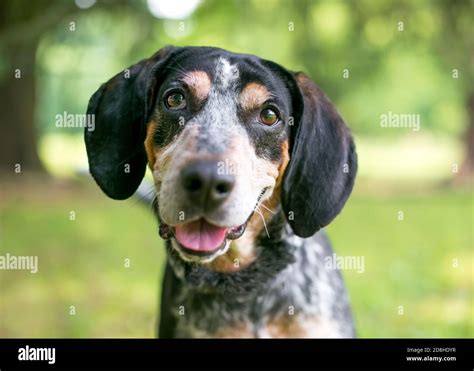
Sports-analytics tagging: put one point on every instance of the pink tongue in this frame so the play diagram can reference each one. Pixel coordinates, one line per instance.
(200, 235)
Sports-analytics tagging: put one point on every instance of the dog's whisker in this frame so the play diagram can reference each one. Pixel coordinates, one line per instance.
(266, 208)
(263, 220)
(174, 68)
(180, 69)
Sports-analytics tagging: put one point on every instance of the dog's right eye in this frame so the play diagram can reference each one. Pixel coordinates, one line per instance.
(175, 100)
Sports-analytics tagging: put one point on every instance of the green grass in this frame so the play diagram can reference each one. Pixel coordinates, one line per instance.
(410, 263)
(81, 263)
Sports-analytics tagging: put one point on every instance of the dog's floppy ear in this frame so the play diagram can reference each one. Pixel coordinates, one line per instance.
(323, 161)
(115, 146)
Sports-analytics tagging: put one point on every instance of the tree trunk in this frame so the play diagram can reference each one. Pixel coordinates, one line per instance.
(466, 172)
(22, 23)
(18, 43)
(17, 97)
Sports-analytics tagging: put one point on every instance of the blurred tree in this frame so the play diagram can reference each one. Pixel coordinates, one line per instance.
(373, 32)
(22, 24)
(456, 46)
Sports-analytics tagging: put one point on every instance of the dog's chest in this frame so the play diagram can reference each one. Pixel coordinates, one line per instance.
(304, 300)
(200, 318)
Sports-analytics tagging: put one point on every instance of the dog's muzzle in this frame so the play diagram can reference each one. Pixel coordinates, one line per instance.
(206, 187)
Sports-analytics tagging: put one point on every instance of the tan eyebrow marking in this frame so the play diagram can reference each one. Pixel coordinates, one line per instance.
(149, 148)
(253, 96)
(199, 84)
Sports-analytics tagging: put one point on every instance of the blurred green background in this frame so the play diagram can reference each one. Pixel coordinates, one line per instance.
(100, 270)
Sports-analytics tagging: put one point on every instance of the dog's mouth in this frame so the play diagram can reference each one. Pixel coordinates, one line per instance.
(200, 237)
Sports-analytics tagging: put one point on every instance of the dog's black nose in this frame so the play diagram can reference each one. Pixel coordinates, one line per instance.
(206, 183)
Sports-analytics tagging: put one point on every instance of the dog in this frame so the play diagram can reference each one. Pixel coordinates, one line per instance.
(250, 161)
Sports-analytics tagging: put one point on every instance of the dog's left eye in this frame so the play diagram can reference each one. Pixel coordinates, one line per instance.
(269, 116)
(175, 100)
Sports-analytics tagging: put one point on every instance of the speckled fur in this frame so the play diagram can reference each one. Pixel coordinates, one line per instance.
(288, 277)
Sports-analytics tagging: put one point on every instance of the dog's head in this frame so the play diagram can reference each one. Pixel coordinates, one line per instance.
(229, 138)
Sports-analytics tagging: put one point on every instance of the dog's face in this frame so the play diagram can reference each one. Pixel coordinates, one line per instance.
(215, 144)
(228, 137)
